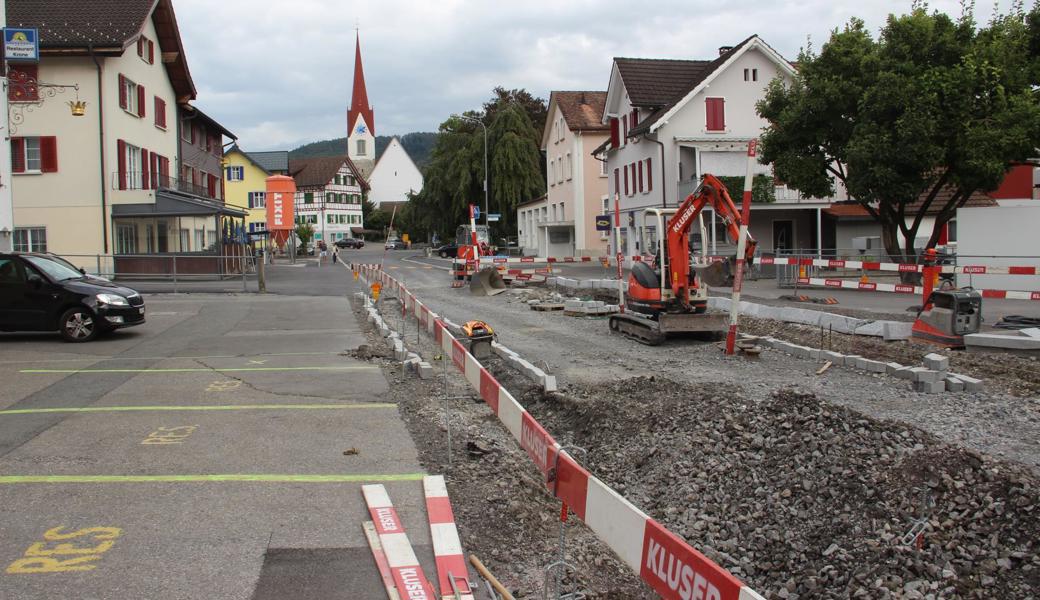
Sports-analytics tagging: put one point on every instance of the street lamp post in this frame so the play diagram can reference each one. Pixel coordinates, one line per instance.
(481, 123)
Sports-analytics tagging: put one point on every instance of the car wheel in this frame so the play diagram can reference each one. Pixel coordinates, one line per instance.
(442, 254)
(78, 325)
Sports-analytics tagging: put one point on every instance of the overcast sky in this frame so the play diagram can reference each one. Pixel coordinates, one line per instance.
(278, 74)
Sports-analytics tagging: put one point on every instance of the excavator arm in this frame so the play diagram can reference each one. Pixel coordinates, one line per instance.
(711, 192)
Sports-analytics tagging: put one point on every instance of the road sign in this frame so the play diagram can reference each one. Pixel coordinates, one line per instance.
(476, 211)
(603, 222)
(21, 44)
(493, 217)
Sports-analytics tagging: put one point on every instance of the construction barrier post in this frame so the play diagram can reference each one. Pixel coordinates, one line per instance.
(738, 278)
(620, 258)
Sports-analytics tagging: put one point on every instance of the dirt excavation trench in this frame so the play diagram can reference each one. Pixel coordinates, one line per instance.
(802, 486)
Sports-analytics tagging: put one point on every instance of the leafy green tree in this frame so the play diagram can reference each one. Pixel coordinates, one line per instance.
(305, 233)
(515, 161)
(932, 105)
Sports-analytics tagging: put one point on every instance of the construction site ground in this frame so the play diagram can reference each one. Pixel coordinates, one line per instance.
(800, 484)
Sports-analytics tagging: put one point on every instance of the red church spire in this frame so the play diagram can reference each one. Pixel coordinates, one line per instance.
(359, 97)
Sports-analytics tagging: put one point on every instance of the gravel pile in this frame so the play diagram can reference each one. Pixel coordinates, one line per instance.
(803, 499)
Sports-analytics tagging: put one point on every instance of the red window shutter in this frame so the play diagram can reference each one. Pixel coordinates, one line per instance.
(716, 114)
(617, 182)
(158, 110)
(140, 46)
(211, 186)
(122, 92)
(624, 128)
(639, 166)
(17, 155)
(140, 101)
(49, 154)
(151, 52)
(635, 117)
(146, 181)
(121, 150)
(615, 133)
(649, 177)
(626, 180)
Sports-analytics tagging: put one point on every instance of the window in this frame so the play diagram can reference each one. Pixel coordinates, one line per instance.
(146, 50)
(185, 240)
(254, 227)
(559, 169)
(308, 198)
(22, 83)
(30, 239)
(361, 147)
(34, 154)
(715, 114)
(570, 167)
(126, 238)
(130, 166)
(257, 199)
(617, 182)
(200, 239)
(131, 96)
(160, 113)
(235, 173)
(552, 172)
(351, 180)
(602, 168)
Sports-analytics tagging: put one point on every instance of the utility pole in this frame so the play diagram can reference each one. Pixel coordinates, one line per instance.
(6, 197)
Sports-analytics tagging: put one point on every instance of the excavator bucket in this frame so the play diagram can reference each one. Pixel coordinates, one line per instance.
(717, 274)
(487, 282)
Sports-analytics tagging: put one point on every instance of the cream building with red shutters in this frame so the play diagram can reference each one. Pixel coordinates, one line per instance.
(107, 182)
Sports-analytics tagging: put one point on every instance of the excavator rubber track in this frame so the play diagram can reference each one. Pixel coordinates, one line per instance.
(640, 329)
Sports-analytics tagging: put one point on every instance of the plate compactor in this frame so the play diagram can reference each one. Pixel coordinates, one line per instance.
(947, 316)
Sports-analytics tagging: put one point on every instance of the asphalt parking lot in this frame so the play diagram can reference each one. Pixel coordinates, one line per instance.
(206, 454)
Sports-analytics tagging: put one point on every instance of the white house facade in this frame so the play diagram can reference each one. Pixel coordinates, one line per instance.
(328, 196)
(564, 222)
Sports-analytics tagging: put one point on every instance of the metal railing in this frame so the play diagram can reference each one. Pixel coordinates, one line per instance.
(147, 180)
(175, 268)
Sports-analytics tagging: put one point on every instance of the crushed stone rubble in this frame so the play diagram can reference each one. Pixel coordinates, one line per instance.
(802, 499)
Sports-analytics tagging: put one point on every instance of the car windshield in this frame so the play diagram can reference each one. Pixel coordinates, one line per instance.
(53, 269)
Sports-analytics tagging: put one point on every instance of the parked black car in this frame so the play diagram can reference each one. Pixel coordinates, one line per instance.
(395, 244)
(350, 243)
(41, 294)
(448, 251)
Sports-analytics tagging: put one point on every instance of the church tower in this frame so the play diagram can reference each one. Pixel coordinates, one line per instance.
(361, 123)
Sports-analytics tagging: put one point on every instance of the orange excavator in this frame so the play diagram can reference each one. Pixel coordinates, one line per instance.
(670, 295)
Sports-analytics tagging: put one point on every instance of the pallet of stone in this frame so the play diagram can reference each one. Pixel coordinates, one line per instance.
(545, 307)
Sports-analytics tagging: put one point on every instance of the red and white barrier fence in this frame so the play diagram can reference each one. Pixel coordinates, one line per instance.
(452, 572)
(672, 567)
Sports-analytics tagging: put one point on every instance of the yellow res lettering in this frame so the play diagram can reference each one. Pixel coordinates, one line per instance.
(68, 556)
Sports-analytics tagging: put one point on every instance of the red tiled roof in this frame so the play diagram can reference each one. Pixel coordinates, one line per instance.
(106, 26)
(583, 111)
(319, 171)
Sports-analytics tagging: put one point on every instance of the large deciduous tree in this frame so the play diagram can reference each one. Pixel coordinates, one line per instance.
(455, 174)
(934, 108)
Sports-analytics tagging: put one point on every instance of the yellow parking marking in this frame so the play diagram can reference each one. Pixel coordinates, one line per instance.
(121, 358)
(39, 557)
(219, 478)
(169, 435)
(98, 409)
(198, 370)
(224, 385)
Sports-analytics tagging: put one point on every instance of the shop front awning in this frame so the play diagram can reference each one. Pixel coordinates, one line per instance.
(170, 203)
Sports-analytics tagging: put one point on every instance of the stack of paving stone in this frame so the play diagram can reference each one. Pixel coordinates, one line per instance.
(581, 308)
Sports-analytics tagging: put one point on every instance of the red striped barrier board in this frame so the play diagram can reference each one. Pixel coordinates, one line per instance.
(408, 575)
(447, 549)
(901, 288)
(380, 558)
(672, 567)
(796, 261)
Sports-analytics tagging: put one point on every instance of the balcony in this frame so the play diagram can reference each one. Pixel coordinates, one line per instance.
(138, 180)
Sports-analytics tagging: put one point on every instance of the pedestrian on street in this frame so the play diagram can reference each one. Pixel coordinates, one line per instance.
(335, 254)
